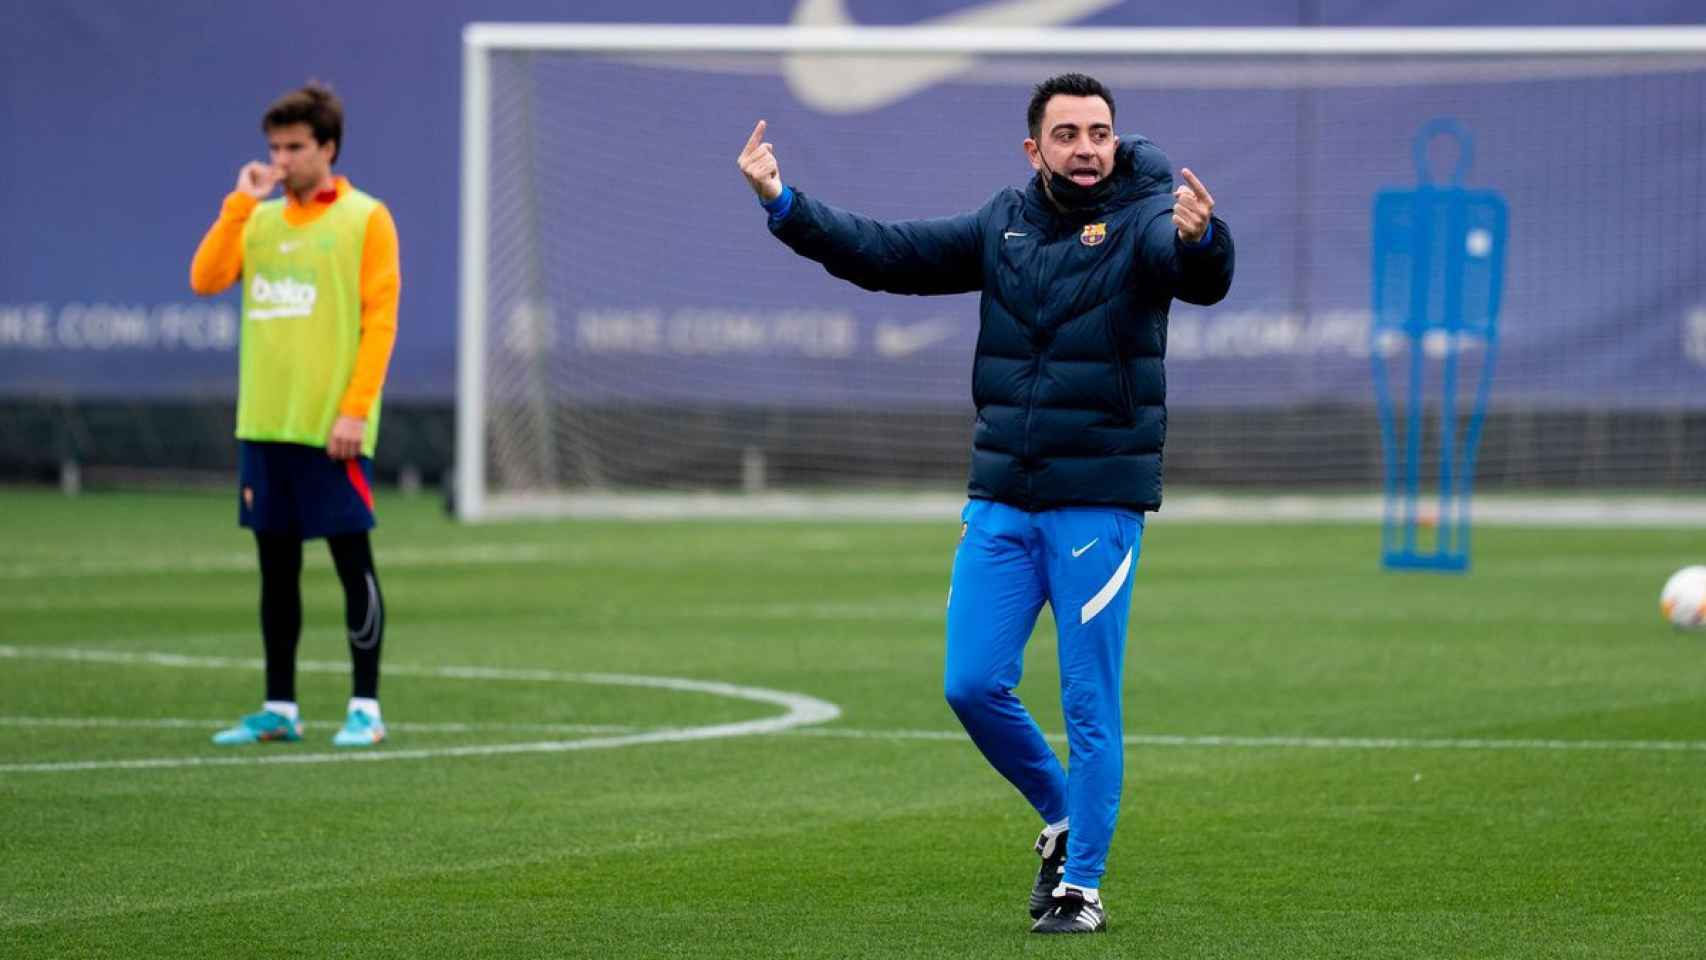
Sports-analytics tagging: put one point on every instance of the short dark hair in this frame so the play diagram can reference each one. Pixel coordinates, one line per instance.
(314, 104)
(1068, 84)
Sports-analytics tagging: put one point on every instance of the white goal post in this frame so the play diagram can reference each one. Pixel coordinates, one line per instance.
(538, 433)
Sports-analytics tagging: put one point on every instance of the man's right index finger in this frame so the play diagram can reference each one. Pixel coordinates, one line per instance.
(757, 135)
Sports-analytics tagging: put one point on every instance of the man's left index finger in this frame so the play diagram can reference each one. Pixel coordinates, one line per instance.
(1196, 184)
(757, 135)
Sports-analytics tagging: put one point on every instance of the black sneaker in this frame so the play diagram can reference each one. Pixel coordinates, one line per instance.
(1072, 912)
(1053, 851)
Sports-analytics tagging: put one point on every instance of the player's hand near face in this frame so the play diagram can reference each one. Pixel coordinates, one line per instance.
(758, 164)
(345, 441)
(1192, 207)
(258, 179)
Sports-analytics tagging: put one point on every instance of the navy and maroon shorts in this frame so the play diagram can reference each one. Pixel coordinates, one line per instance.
(292, 488)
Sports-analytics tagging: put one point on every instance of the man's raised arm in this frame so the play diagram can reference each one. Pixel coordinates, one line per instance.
(942, 255)
(1191, 249)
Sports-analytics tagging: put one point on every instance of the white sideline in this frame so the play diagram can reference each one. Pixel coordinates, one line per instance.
(1489, 509)
(244, 560)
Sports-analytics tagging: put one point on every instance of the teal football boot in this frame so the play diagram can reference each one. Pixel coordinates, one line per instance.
(361, 729)
(263, 727)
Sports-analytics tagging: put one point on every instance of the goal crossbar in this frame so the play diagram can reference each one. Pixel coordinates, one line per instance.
(1183, 41)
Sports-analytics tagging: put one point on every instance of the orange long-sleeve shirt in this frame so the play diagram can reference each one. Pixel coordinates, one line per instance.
(218, 264)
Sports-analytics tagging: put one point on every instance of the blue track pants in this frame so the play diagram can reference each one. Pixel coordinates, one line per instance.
(1080, 562)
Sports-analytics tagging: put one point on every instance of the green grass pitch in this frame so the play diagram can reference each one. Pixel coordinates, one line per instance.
(1324, 760)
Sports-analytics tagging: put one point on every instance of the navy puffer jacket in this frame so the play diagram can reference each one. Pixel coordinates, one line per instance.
(1068, 379)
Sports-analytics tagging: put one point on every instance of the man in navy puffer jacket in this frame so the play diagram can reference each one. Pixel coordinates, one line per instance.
(1076, 274)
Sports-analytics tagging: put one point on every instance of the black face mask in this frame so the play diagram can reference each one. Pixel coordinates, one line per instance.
(1072, 198)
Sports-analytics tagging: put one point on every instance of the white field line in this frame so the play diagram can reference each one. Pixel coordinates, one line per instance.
(244, 560)
(1303, 743)
(954, 736)
(186, 723)
(1491, 509)
(1488, 510)
(670, 734)
(799, 710)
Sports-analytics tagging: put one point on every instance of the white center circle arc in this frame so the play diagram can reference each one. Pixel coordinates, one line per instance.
(799, 710)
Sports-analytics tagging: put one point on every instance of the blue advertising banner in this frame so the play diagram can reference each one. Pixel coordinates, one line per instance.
(125, 126)
(676, 290)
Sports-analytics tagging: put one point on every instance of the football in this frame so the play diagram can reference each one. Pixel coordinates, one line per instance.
(1683, 600)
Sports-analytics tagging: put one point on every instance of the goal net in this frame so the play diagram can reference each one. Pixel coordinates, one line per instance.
(629, 328)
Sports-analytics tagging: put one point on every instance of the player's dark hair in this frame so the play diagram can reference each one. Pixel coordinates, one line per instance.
(317, 106)
(1068, 84)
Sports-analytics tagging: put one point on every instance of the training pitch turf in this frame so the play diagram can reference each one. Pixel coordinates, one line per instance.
(1323, 760)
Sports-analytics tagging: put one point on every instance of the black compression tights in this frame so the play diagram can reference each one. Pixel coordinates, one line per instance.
(281, 609)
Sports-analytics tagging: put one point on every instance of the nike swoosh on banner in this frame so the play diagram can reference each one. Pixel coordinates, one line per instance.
(840, 84)
(895, 341)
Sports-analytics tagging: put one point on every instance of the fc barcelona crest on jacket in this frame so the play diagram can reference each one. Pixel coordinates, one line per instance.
(1093, 234)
